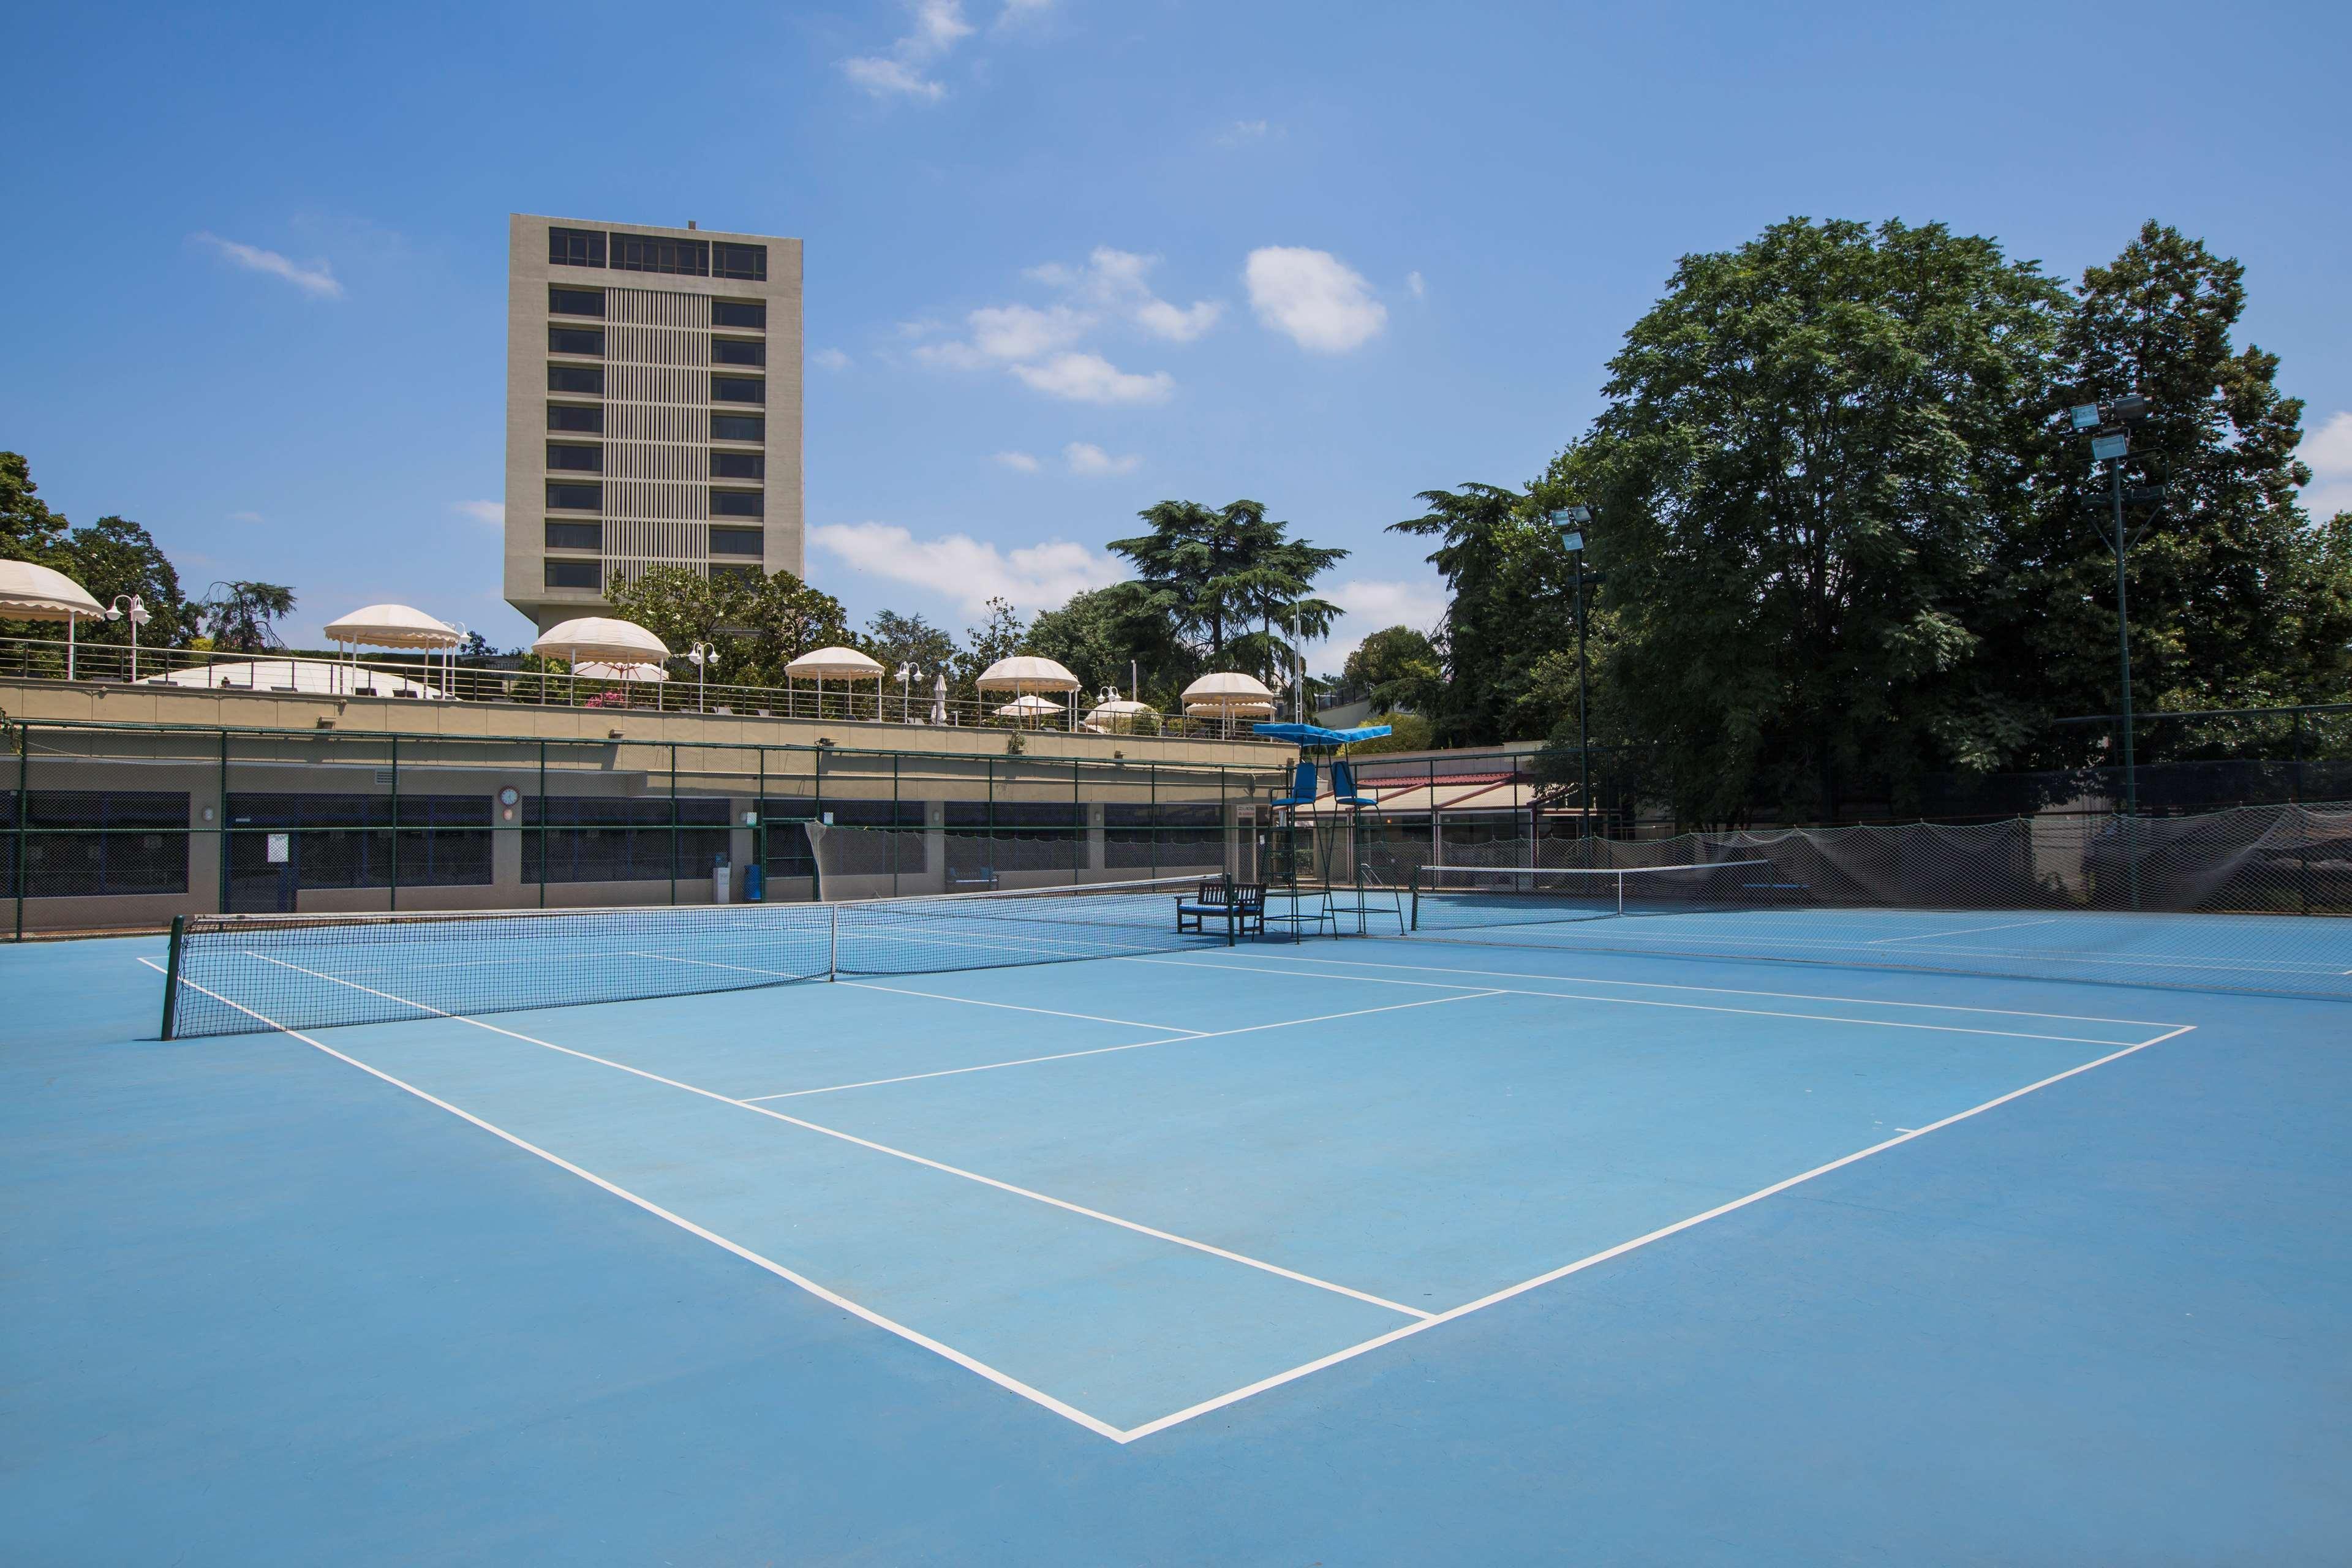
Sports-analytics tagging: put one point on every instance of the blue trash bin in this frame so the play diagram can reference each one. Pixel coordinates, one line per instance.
(755, 883)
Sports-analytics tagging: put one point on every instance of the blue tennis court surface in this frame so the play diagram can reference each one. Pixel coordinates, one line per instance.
(1391, 1250)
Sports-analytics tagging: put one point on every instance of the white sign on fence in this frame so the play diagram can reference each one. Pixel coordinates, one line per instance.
(281, 848)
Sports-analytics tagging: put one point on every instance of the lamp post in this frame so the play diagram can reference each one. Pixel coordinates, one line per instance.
(1571, 523)
(702, 656)
(139, 617)
(907, 675)
(2108, 424)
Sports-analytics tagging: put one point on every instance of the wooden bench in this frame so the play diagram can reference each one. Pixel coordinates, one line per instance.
(1240, 905)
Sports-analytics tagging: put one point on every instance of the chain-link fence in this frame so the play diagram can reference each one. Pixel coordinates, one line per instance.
(120, 828)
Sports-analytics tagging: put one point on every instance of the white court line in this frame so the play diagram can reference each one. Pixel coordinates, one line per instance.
(1136, 1046)
(1964, 931)
(912, 1336)
(1623, 1247)
(1677, 1007)
(1707, 990)
(906, 991)
(1136, 1225)
(1425, 1321)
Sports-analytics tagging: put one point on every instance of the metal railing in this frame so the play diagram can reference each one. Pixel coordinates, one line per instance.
(422, 678)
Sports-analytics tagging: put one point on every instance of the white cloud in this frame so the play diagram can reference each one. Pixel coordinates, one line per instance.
(1413, 280)
(886, 78)
(829, 359)
(1114, 282)
(1019, 462)
(966, 571)
(938, 27)
(1375, 604)
(317, 280)
(1242, 133)
(2328, 452)
(1085, 457)
(1018, 11)
(493, 512)
(245, 517)
(1311, 296)
(1090, 378)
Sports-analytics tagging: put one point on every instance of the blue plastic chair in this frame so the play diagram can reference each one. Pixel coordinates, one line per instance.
(1302, 784)
(1343, 786)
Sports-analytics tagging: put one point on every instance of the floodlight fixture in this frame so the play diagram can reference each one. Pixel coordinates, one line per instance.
(2106, 448)
(2085, 415)
(2130, 407)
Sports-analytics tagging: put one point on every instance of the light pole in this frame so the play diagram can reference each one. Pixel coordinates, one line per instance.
(907, 675)
(139, 617)
(2107, 424)
(1571, 523)
(702, 656)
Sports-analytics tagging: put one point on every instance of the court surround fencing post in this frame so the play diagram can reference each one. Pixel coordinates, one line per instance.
(541, 804)
(24, 803)
(393, 876)
(172, 975)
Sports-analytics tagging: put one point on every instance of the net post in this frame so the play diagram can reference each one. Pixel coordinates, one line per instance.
(1416, 898)
(833, 942)
(172, 975)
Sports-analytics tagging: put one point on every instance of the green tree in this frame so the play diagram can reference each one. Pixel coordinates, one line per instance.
(29, 531)
(114, 556)
(1501, 564)
(1818, 452)
(242, 617)
(897, 640)
(1396, 667)
(2237, 598)
(759, 625)
(1104, 634)
(1230, 579)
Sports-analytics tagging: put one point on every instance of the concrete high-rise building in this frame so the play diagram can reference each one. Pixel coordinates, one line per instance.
(652, 407)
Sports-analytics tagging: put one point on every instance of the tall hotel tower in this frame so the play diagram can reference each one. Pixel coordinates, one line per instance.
(652, 407)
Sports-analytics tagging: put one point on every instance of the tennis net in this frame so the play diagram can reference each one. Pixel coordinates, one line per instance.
(239, 974)
(1457, 898)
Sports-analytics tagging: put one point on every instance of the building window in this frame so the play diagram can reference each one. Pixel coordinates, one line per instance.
(566, 458)
(735, 503)
(738, 466)
(575, 498)
(621, 838)
(738, 540)
(93, 844)
(575, 416)
(588, 575)
(353, 841)
(576, 341)
(737, 389)
(574, 535)
(746, 261)
(744, 576)
(738, 313)
(575, 378)
(639, 253)
(575, 301)
(576, 246)
(738, 351)
(738, 427)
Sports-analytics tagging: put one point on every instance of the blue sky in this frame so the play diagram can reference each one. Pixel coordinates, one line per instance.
(1064, 257)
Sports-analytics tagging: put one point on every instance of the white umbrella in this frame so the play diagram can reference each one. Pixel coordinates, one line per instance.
(1228, 690)
(603, 669)
(1116, 712)
(939, 698)
(1028, 707)
(1027, 672)
(31, 592)
(601, 638)
(393, 625)
(824, 664)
